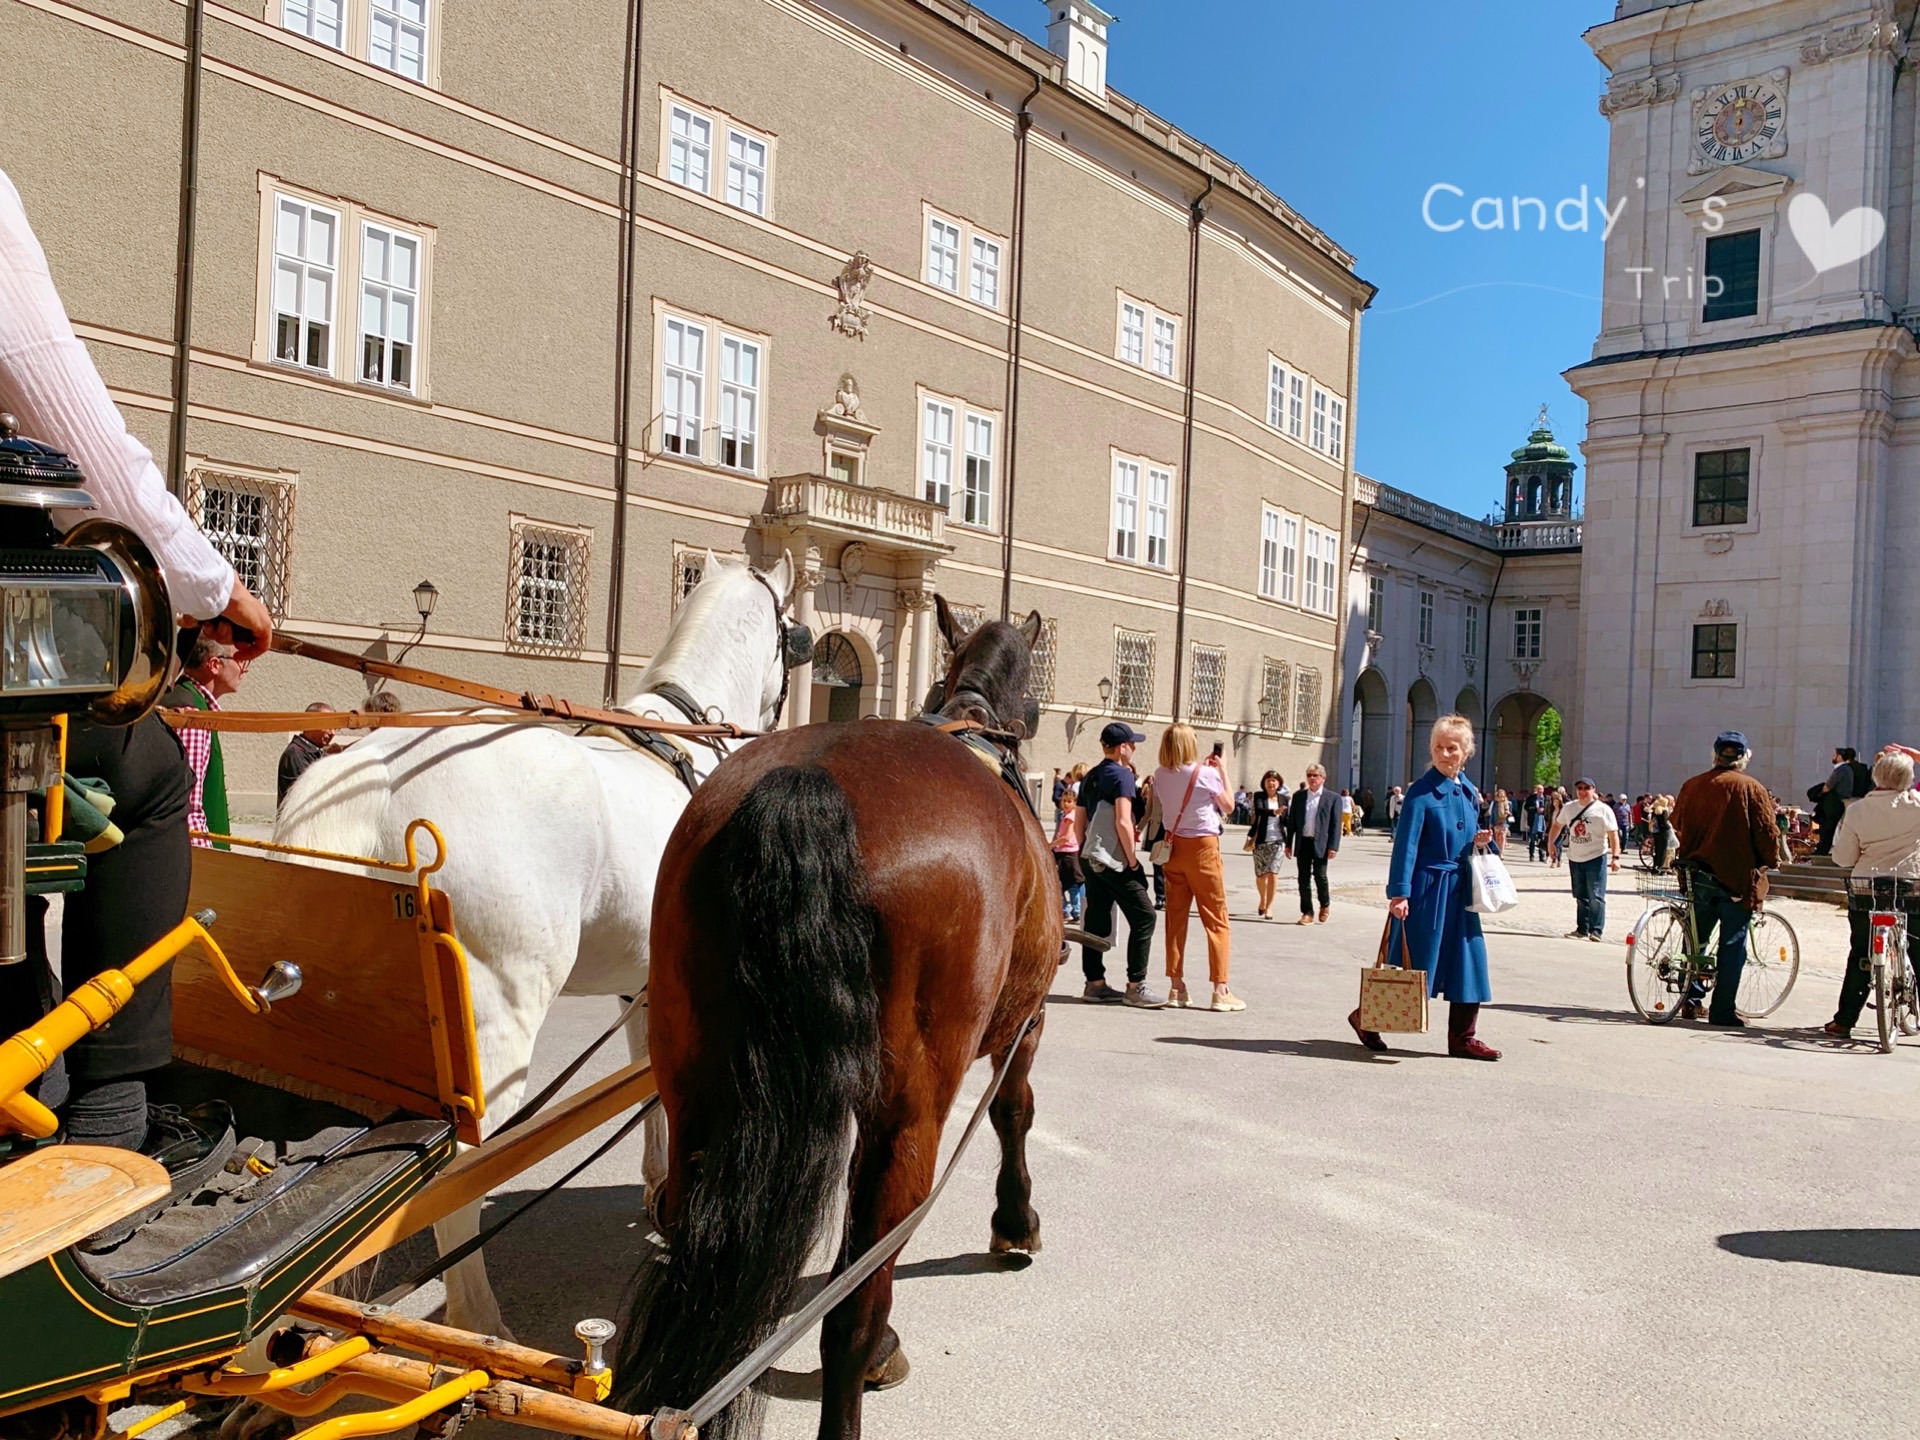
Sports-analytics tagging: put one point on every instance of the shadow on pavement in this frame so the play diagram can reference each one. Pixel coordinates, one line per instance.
(1886, 1252)
(1300, 1049)
(1573, 1014)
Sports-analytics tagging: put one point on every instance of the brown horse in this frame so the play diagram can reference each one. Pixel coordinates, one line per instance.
(848, 916)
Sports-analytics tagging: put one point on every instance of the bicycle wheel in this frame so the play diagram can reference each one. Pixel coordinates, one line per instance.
(1882, 1003)
(1657, 969)
(1906, 1001)
(1773, 964)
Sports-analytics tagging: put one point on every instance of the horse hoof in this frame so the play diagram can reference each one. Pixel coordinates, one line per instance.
(1029, 1245)
(889, 1372)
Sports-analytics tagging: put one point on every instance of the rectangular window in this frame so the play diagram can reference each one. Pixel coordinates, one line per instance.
(397, 36)
(1337, 428)
(1715, 649)
(976, 503)
(1426, 617)
(305, 263)
(739, 402)
(1733, 276)
(1208, 692)
(1289, 559)
(983, 275)
(1133, 334)
(1163, 338)
(689, 149)
(1275, 693)
(1319, 437)
(1306, 709)
(1269, 552)
(316, 19)
(936, 453)
(1720, 481)
(1276, 395)
(746, 172)
(1132, 672)
(1526, 634)
(1473, 630)
(1126, 510)
(683, 385)
(1376, 602)
(249, 519)
(1296, 405)
(1159, 509)
(547, 597)
(943, 254)
(389, 305)
(1318, 592)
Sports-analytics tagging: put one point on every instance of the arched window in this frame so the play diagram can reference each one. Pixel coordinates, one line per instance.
(836, 662)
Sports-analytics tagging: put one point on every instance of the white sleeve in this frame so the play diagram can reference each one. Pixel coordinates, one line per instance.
(49, 382)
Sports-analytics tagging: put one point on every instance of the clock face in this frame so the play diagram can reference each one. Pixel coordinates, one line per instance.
(1740, 123)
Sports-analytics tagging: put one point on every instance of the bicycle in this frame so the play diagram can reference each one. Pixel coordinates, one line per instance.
(1665, 961)
(1895, 997)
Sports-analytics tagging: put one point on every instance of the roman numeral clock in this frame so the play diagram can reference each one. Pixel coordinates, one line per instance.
(1739, 121)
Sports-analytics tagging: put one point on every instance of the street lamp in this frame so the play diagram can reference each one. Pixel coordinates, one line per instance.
(425, 597)
(1105, 687)
(1267, 707)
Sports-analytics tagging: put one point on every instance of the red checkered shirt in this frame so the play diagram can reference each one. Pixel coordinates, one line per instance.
(199, 747)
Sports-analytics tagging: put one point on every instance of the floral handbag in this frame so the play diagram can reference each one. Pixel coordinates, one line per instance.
(1393, 998)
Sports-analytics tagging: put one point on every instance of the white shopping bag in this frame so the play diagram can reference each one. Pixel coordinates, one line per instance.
(1493, 887)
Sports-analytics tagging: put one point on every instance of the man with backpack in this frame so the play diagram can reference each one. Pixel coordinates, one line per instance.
(1105, 824)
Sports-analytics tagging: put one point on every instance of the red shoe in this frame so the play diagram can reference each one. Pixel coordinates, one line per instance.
(1471, 1049)
(1369, 1038)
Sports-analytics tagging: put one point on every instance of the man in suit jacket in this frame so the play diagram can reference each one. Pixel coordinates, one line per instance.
(1313, 831)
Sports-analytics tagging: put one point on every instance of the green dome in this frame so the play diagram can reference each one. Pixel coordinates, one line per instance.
(1541, 447)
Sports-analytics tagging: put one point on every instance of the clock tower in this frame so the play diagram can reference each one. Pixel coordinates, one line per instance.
(1748, 439)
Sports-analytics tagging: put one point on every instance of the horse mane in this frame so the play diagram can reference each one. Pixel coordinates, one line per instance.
(993, 665)
(688, 656)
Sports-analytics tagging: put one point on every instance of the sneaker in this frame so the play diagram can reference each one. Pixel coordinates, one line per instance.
(1228, 1002)
(1575, 935)
(1594, 935)
(1732, 1022)
(1098, 992)
(1141, 998)
(1178, 999)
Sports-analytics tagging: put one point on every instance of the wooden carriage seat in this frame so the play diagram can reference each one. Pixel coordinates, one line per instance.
(382, 1022)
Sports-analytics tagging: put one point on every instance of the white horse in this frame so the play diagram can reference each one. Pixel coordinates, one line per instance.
(553, 843)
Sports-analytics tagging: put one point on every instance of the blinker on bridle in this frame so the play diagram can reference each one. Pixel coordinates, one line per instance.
(796, 645)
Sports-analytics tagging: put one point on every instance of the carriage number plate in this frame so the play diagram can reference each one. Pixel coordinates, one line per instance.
(404, 905)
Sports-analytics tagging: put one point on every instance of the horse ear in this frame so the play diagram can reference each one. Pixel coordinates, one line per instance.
(709, 565)
(781, 578)
(1031, 628)
(950, 630)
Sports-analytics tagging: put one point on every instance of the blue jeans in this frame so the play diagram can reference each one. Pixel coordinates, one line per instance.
(1715, 909)
(1589, 894)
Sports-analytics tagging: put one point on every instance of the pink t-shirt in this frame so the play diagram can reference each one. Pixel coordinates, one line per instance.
(1201, 816)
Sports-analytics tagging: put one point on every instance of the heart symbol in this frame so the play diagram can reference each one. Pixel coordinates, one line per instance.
(1831, 243)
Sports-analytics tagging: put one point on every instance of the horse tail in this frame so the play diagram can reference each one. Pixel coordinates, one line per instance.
(791, 931)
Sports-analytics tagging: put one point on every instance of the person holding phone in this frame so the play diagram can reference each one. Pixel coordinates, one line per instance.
(1191, 795)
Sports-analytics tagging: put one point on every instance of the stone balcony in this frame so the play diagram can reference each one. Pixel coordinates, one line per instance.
(1490, 534)
(857, 512)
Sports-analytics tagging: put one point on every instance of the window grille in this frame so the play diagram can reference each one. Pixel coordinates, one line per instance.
(689, 569)
(1274, 695)
(966, 619)
(547, 590)
(1306, 709)
(249, 519)
(1208, 693)
(1133, 672)
(1040, 676)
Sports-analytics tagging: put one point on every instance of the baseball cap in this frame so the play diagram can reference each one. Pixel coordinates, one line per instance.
(1583, 780)
(1120, 733)
(1731, 740)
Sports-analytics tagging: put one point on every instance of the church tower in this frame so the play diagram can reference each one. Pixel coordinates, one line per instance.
(1540, 480)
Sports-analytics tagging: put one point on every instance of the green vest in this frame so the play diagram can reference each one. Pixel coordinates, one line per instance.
(213, 795)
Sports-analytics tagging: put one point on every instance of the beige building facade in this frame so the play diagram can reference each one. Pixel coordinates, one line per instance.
(909, 295)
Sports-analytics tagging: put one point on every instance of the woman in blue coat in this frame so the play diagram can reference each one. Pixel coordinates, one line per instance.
(1429, 887)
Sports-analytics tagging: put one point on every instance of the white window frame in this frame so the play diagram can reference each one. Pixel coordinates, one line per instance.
(401, 26)
(1296, 406)
(946, 241)
(1276, 395)
(1317, 589)
(1317, 432)
(1145, 336)
(1336, 427)
(1376, 603)
(726, 176)
(964, 448)
(298, 17)
(1429, 603)
(978, 259)
(346, 336)
(303, 269)
(974, 504)
(983, 270)
(939, 425)
(1270, 522)
(1529, 625)
(393, 297)
(724, 396)
(1289, 559)
(1140, 531)
(1472, 643)
(360, 21)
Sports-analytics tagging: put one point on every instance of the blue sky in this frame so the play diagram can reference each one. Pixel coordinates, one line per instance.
(1352, 112)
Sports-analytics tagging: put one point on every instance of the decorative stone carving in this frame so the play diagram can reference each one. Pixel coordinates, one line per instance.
(1426, 658)
(846, 400)
(914, 600)
(1719, 544)
(1869, 36)
(1473, 666)
(852, 316)
(853, 561)
(1715, 610)
(1523, 671)
(1374, 639)
(1632, 94)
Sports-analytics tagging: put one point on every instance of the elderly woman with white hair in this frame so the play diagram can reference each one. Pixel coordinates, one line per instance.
(1428, 889)
(1879, 835)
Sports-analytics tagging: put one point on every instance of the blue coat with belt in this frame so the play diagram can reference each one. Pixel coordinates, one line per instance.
(1431, 846)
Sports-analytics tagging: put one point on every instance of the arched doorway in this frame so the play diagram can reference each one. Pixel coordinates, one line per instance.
(1373, 758)
(839, 678)
(1423, 708)
(1525, 742)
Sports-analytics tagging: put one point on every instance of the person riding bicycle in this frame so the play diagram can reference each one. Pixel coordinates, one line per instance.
(1879, 835)
(1727, 842)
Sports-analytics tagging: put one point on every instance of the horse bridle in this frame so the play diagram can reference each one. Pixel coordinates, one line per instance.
(796, 645)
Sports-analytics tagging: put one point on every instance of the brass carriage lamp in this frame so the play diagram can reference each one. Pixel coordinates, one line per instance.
(85, 625)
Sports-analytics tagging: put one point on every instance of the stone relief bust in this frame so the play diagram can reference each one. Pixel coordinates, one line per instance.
(851, 316)
(846, 399)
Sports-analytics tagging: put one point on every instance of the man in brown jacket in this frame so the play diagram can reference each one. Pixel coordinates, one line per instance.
(1727, 838)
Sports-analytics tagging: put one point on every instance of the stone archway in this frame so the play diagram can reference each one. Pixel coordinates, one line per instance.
(843, 678)
(1373, 765)
(1514, 741)
(1423, 708)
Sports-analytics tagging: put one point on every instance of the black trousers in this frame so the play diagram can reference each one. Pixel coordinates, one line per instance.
(1312, 866)
(135, 893)
(1859, 979)
(1126, 889)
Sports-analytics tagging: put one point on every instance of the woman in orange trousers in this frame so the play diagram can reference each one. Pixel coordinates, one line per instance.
(1191, 795)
